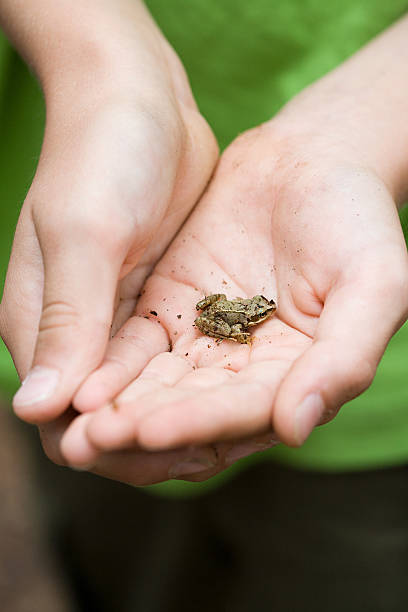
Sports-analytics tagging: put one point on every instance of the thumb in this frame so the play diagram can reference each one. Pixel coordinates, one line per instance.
(355, 326)
(81, 271)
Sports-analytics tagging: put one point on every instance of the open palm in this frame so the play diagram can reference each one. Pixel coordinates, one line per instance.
(323, 240)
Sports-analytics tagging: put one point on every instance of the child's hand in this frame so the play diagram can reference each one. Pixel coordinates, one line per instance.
(297, 221)
(134, 466)
(126, 155)
(302, 210)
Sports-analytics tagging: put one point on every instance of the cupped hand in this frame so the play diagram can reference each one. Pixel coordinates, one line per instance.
(295, 221)
(126, 155)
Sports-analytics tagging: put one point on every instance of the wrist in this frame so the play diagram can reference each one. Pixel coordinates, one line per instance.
(92, 48)
(339, 128)
(359, 109)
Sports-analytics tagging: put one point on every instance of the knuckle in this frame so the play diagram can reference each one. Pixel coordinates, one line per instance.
(121, 367)
(58, 314)
(96, 227)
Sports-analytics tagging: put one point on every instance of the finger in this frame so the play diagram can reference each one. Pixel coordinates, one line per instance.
(52, 433)
(142, 468)
(235, 409)
(158, 323)
(126, 356)
(250, 446)
(75, 447)
(114, 427)
(64, 441)
(134, 466)
(22, 296)
(354, 329)
(80, 276)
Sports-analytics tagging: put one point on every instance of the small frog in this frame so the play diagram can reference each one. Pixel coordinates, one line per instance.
(230, 319)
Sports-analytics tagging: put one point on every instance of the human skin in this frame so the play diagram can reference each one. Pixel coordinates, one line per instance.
(286, 192)
(309, 218)
(126, 155)
(327, 242)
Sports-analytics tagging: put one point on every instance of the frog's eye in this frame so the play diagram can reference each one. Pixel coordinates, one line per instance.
(270, 303)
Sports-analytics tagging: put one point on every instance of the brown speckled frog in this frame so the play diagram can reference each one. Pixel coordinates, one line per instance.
(230, 319)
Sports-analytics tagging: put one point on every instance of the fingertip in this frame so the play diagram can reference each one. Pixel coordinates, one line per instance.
(307, 415)
(39, 414)
(108, 430)
(318, 383)
(75, 446)
(300, 403)
(33, 402)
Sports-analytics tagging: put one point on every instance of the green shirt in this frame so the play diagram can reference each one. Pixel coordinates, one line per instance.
(245, 60)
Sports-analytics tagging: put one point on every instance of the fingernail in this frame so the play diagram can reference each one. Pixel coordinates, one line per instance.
(39, 384)
(190, 466)
(244, 450)
(308, 415)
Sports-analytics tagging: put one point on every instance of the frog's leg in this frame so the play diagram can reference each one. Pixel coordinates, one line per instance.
(239, 335)
(210, 299)
(216, 328)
